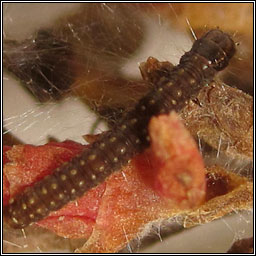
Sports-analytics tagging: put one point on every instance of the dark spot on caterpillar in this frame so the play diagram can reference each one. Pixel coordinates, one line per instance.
(130, 136)
(196, 101)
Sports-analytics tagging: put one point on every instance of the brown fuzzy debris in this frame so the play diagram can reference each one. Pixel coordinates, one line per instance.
(223, 117)
(238, 197)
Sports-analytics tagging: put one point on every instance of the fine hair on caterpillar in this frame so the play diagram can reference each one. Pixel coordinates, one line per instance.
(209, 54)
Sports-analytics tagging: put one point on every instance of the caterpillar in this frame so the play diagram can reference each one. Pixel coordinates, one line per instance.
(208, 55)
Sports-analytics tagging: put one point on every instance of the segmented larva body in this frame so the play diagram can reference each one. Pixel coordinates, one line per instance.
(130, 136)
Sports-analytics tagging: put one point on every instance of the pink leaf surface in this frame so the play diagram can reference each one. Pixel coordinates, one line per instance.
(167, 177)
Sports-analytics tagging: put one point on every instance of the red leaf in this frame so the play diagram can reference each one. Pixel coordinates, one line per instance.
(167, 176)
(28, 164)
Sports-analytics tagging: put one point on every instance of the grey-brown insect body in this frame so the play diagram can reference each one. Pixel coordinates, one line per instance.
(130, 136)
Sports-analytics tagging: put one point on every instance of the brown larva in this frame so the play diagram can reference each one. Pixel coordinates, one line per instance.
(209, 54)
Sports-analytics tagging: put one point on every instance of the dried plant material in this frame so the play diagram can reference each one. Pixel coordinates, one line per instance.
(220, 115)
(226, 192)
(153, 70)
(117, 211)
(131, 195)
(130, 203)
(109, 95)
(223, 117)
(245, 245)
